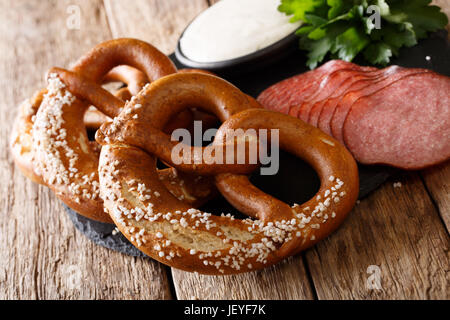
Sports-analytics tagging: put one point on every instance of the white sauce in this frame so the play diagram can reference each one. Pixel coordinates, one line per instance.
(234, 28)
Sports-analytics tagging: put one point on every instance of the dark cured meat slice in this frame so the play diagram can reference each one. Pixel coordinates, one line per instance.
(343, 107)
(405, 125)
(331, 104)
(277, 96)
(316, 108)
(323, 74)
(327, 110)
(328, 84)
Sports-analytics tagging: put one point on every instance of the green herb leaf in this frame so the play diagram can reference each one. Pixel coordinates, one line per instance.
(346, 28)
(378, 53)
(298, 8)
(318, 49)
(337, 7)
(350, 43)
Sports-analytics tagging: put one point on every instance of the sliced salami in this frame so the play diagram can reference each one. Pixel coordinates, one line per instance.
(344, 105)
(323, 75)
(329, 106)
(328, 84)
(316, 108)
(405, 124)
(296, 88)
(276, 97)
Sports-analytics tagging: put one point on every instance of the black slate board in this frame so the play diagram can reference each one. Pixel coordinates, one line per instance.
(296, 181)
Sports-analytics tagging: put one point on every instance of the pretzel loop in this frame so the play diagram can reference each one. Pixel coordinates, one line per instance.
(183, 237)
(67, 161)
(22, 132)
(142, 126)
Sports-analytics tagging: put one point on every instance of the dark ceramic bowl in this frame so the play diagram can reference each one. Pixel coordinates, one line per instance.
(247, 63)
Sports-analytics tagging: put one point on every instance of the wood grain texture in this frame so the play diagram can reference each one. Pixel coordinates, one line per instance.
(399, 231)
(159, 22)
(42, 256)
(437, 181)
(285, 281)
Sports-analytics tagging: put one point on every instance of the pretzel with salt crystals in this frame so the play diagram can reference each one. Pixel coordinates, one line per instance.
(62, 151)
(172, 232)
(135, 80)
(22, 136)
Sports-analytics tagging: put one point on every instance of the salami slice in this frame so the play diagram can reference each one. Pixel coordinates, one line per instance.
(406, 124)
(321, 79)
(344, 105)
(328, 84)
(316, 108)
(278, 96)
(329, 106)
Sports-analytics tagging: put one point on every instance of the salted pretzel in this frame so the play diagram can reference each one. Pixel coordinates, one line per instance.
(65, 159)
(21, 136)
(183, 237)
(134, 80)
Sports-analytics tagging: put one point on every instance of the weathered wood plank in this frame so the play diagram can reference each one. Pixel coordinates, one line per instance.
(42, 256)
(437, 181)
(284, 281)
(161, 23)
(396, 230)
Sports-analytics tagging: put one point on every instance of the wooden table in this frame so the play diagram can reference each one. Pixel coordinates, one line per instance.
(399, 234)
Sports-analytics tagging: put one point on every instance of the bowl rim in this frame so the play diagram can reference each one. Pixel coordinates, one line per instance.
(223, 64)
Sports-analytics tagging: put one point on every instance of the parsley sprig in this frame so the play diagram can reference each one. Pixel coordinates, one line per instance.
(344, 29)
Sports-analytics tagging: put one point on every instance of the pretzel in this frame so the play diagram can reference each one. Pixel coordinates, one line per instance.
(21, 137)
(183, 237)
(65, 159)
(134, 80)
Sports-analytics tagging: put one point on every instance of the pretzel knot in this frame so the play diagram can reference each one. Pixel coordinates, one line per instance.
(176, 234)
(22, 131)
(63, 154)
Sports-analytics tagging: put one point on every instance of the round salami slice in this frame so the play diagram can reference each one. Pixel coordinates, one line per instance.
(278, 96)
(328, 84)
(405, 125)
(321, 79)
(344, 105)
(329, 106)
(316, 108)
